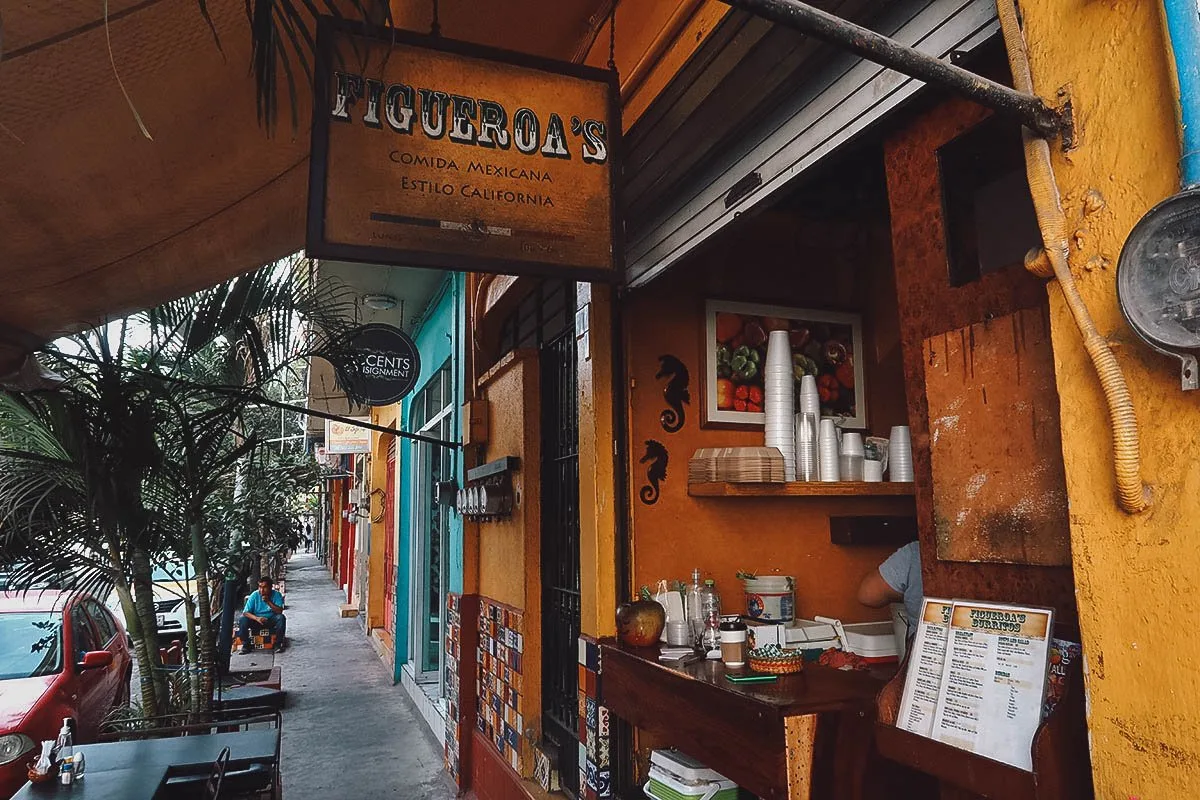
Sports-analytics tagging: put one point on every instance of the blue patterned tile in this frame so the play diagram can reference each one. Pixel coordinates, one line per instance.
(604, 783)
(593, 776)
(592, 716)
(592, 661)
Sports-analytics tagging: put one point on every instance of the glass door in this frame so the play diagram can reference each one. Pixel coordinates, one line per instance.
(433, 416)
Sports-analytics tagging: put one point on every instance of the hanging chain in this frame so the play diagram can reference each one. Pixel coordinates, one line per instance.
(612, 37)
(436, 28)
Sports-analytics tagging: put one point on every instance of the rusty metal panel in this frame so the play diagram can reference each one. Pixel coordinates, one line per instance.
(999, 489)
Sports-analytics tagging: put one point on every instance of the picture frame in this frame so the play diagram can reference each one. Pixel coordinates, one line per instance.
(827, 344)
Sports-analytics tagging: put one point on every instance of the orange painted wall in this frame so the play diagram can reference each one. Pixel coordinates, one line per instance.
(782, 259)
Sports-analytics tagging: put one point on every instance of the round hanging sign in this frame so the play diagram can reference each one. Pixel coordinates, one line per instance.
(377, 365)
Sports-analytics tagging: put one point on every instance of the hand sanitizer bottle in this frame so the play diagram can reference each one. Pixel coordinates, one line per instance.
(65, 753)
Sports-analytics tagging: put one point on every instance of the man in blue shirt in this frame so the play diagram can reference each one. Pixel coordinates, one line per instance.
(897, 579)
(264, 609)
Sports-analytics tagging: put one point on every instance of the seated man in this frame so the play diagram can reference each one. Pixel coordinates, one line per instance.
(264, 609)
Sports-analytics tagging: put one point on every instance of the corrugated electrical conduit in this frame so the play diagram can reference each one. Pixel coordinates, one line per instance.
(1133, 494)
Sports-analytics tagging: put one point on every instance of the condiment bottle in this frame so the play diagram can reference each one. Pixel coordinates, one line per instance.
(733, 642)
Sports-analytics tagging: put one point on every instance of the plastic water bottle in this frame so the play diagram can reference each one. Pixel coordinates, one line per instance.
(710, 609)
(694, 610)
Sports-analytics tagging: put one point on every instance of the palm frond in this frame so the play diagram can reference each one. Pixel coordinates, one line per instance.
(281, 30)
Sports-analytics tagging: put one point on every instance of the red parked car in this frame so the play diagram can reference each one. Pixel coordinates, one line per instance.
(62, 654)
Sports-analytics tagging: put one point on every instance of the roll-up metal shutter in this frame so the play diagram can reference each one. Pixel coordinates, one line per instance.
(757, 106)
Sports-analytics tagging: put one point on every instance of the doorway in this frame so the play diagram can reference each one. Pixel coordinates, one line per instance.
(560, 554)
(432, 414)
(390, 578)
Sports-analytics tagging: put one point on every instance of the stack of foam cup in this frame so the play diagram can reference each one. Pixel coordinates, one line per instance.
(779, 400)
(807, 468)
(900, 463)
(827, 452)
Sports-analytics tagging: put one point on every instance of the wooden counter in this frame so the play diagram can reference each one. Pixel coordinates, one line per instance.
(766, 737)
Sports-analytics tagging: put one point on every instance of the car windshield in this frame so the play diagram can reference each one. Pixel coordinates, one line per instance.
(30, 644)
(169, 572)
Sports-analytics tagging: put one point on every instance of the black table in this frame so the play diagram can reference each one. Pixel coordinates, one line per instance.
(134, 784)
(183, 753)
(135, 770)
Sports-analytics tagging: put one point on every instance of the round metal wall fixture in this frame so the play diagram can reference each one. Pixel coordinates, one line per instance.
(1158, 280)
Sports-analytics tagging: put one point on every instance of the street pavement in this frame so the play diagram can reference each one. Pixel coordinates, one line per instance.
(348, 733)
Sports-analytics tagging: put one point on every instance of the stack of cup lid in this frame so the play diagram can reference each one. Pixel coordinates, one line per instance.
(852, 455)
(900, 463)
(779, 400)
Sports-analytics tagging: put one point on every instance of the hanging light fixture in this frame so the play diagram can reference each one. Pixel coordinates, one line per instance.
(379, 302)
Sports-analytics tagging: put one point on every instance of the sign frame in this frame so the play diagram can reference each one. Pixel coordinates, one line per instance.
(350, 448)
(346, 373)
(318, 246)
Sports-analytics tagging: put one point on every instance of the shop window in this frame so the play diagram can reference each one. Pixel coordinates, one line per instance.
(989, 218)
(544, 314)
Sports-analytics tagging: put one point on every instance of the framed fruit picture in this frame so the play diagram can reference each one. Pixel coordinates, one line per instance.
(825, 344)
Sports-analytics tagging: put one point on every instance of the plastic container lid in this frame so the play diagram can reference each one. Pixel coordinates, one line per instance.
(871, 638)
(777, 583)
(684, 768)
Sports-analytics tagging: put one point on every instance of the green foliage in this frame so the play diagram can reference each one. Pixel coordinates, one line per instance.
(154, 449)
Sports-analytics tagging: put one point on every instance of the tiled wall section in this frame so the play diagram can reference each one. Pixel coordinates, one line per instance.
(462, 647)
(595, 772)
(454, 731)
(499, 680)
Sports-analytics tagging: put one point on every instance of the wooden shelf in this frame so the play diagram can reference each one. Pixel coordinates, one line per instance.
(802, 489)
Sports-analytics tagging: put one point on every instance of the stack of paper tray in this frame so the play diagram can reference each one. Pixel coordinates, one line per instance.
(802, 634)
(736, 465)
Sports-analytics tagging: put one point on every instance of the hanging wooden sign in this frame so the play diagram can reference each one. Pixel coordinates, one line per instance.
(431, 152)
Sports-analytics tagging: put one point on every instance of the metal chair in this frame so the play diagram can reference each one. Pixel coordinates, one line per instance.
(212, 789)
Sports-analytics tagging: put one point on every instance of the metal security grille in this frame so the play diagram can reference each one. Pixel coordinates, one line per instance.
(542, 315)
(560, 553)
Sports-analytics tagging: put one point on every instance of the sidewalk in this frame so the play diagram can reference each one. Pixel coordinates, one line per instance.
(347, 731)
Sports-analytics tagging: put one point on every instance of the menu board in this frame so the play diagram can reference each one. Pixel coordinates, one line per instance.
(993, 681)
(927, 658)
(977, 677)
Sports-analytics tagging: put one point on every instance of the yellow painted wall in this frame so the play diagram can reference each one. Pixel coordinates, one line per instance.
(510, 548)
(1136, 577)
(506, 544)
(376, 568)
(597, 484)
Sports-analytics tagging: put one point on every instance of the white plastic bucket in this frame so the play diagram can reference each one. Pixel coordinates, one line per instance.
(770, 598)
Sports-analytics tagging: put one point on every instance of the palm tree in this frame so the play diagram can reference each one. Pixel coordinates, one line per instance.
(73, 469)
(216, 351)
(123, 462)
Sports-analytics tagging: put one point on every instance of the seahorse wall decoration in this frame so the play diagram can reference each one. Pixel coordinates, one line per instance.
(656, 456)
(675, 392)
